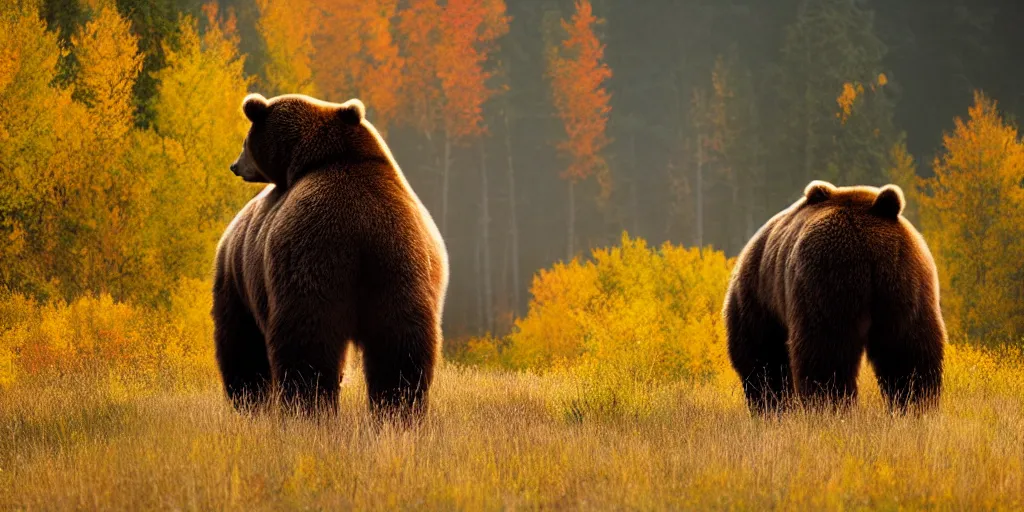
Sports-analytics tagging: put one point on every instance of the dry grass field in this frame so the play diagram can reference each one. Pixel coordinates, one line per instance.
(498, 440)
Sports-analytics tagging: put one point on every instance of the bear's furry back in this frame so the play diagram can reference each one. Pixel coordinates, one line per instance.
(842, 251)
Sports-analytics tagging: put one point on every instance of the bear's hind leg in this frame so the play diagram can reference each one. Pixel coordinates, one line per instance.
(757, 349)
(398, 359)
(826, 355)
(241, 351)
(907, 359)
(307, 354)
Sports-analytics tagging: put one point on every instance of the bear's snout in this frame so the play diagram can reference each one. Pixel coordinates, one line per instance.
(244, 168)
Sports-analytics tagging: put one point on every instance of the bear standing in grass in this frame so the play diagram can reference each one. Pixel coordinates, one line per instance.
(838, 272)
(337, 249)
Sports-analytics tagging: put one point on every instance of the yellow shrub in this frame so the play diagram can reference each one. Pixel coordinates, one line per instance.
(137, 349)
(483, 351)
(986, 371)
(648, 315)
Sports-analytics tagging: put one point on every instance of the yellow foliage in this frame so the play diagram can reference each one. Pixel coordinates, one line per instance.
(973, 219)
(30, 111)
(135, 349)
(197, 133)
(287, 28)
(109, 62)
(644, 315)
(987, 372)
(903, 172)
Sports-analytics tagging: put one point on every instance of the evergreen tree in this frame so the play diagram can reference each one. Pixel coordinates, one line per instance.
(830, 46)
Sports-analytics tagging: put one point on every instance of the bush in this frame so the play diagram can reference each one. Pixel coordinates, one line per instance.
(643, 315)
(134, 349)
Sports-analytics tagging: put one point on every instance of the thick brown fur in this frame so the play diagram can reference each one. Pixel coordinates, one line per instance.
(837, 273)
(338, 249)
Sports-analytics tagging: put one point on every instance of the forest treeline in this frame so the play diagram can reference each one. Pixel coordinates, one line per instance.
(534, 132)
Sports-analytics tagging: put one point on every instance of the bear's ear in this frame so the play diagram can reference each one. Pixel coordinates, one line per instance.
(255, 107)
(889, 202)
(818, 191)
(352, 112)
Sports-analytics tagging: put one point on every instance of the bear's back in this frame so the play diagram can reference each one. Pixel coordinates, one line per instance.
(835, 247)
(353, 227)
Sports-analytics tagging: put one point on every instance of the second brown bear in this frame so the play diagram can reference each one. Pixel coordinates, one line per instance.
(839, 272)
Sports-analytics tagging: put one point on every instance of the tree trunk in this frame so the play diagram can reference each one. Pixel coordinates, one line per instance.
(755, 180)
(479, 286)
(700, 192)
(633, 203)
(444, 183)
(485, 221)
(513, 221)
(734, 229)
(572, 220)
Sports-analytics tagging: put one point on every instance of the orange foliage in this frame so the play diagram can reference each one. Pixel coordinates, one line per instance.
(287, 29)
(417, 27)
(357, 56)
(853, 90)
(468, 31)
(577, 74)
(446, 49)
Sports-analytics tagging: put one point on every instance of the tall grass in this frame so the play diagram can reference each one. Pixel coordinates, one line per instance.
(105, 405)
(499, 440)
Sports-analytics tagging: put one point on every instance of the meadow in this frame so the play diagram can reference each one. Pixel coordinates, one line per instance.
(497, 439)
(607, 386)
(613, 392)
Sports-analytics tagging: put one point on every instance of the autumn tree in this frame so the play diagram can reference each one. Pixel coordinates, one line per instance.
(447, 49)
(71, 210)
(577, 73)
(197, 132)
(109, 204)
(287, 29)
(417, 27)
(469, 29)
(902, 171)
(31, 109)
(358, 57)
(153, 22)
(973, 218)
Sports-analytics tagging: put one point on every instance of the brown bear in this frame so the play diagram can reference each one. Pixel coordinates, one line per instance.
(839, 272)
(338, 249)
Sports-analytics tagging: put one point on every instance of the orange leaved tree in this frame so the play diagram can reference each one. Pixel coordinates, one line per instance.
(468, 31)
(447, 48)
(577, 74)
(358, 57)
(287, 29)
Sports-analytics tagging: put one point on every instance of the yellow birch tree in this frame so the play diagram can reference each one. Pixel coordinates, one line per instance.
(973, 222)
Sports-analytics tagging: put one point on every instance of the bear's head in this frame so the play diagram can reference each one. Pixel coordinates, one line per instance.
(887, 202)
(293, 134)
